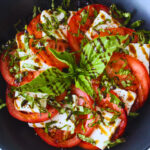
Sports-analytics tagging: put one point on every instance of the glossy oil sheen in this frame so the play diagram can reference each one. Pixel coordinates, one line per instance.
(15, 135)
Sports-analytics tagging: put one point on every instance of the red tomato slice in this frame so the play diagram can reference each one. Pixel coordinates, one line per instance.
(47, 56)
(28, 117)
(9, 78)
(84, 100)
(140, 83)
(53, 141)
(74, 25)
(57, 137)
(88, 146)
(32, 27)
(140, 72)
(117, 62)
(105, 103)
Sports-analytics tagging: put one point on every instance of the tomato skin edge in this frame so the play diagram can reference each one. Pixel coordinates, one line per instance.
(30, 117)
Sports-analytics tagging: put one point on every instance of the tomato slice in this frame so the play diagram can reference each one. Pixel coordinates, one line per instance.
(28, 117)
(140, 81)
(118, 69)
(105, 103)
(140, 72)
(84, 100)
(60, 138)
(46, 56)
(9, 78)
(75, 27)
(32, 27)
(88, 146)
(73, 141)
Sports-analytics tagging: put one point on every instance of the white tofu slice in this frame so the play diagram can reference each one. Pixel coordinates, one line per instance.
(60, 33)
(128, 97)
(27, 108)
(32, 62)
(102, 21)
(103, 133)
(61, 122)
(61, 118)
(141, 52)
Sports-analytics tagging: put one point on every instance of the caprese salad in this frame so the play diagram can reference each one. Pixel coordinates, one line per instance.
(76, 76)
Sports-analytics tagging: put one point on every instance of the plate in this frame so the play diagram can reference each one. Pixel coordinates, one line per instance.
(16, 135)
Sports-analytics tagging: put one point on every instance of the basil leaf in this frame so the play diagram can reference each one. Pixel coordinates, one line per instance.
(64, 57)
(96, 54)
(52, 81)
(118, 14)
(83, 82)
(136, 24)
(86, 139)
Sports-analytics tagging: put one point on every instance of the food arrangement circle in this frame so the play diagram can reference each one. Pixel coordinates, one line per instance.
(77, 76)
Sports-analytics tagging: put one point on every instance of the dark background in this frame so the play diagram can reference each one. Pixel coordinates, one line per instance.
(16, 135)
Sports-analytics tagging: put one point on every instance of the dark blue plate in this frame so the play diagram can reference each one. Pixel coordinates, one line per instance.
(16, 135)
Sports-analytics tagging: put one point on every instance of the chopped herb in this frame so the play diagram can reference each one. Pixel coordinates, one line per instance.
(47, 125)
(133, 114)
(136, 24)
(118, 14)
(2, 104)
(114, 143)
(86, 139)
(84, 16)
(53, 5)
(126, 83)
(144, 36)
(116, 100)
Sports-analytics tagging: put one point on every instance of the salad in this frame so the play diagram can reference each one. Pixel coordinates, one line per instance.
(76, 76)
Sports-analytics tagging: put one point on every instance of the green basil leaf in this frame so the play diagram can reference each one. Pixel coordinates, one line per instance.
(136, 24)
(118, 14)
(52, 81)
(64, 57)
(86, 139)
(83, 82)
(96, 54)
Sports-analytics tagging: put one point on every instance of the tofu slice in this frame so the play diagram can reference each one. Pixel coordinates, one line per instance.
(141, 52)
(27, 107)
(60, 122)
(103, 133)
(102, 21)
(60, 33)
(128, 97)
(31, 62)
